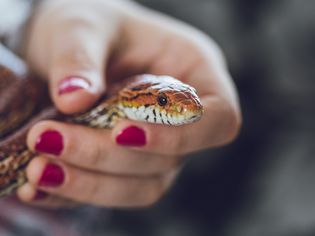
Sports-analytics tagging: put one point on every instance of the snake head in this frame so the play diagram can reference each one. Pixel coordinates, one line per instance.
(161, 100)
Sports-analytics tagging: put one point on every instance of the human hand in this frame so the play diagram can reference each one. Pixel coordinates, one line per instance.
(73, 43)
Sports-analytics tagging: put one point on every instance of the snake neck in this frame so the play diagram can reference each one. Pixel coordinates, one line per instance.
(105, 115)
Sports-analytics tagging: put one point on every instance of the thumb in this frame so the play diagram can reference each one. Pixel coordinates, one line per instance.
(79, 56)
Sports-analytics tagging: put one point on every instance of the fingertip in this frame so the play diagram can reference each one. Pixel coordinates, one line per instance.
(25, 193)
(154, 138)
(75, 94)
(38, 130)
(75, 90)
(130, 134)
(28, 193)
(72, 84)
(76, 102)
(35, 169)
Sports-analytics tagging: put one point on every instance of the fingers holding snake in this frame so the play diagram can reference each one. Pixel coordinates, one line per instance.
(67, 181)
(133, 164)
(94, 150)
(30, 194)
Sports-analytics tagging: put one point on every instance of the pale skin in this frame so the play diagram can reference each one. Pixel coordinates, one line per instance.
(101, 40)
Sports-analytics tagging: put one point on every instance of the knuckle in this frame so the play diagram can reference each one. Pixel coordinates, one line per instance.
(68, 152)
(76, 153)
(96, 158)
(71, 151)
(195, 48)
(165, 140)
(154, 194)
(121, 194)
(175, 144)
(91, 192)
(190, 44)
(171, 162)
(234, 124)
(74, 58)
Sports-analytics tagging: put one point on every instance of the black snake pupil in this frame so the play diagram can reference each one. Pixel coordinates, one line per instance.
(162, 100)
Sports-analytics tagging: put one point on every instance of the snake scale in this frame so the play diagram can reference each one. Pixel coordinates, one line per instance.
(24, 101)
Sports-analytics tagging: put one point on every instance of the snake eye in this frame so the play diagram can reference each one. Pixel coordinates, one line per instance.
(162, 100)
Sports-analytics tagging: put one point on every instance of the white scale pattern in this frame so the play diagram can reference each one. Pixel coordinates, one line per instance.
(147, 114)
(150, 114)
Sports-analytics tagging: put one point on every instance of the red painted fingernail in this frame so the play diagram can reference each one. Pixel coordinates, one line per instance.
(132, 136)
(52, 176)
(40, 195)
(71, 84)
(50, 142)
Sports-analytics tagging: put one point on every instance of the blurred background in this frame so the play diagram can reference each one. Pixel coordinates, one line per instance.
(264, 183)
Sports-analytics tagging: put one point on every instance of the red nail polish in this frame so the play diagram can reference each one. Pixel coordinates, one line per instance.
(40, 195)
(72, 84)
(50, 142)
(132, 136)
(52, 176)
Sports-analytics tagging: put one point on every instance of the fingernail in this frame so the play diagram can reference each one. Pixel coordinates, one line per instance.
(53, 176)
(40, 195)
(132, 136)
(71, 84)
(50, 142)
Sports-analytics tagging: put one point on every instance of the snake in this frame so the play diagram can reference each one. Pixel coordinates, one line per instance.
(24, 101)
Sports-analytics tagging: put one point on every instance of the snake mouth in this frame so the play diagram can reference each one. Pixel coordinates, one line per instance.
(187, 118)
(195, 117)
